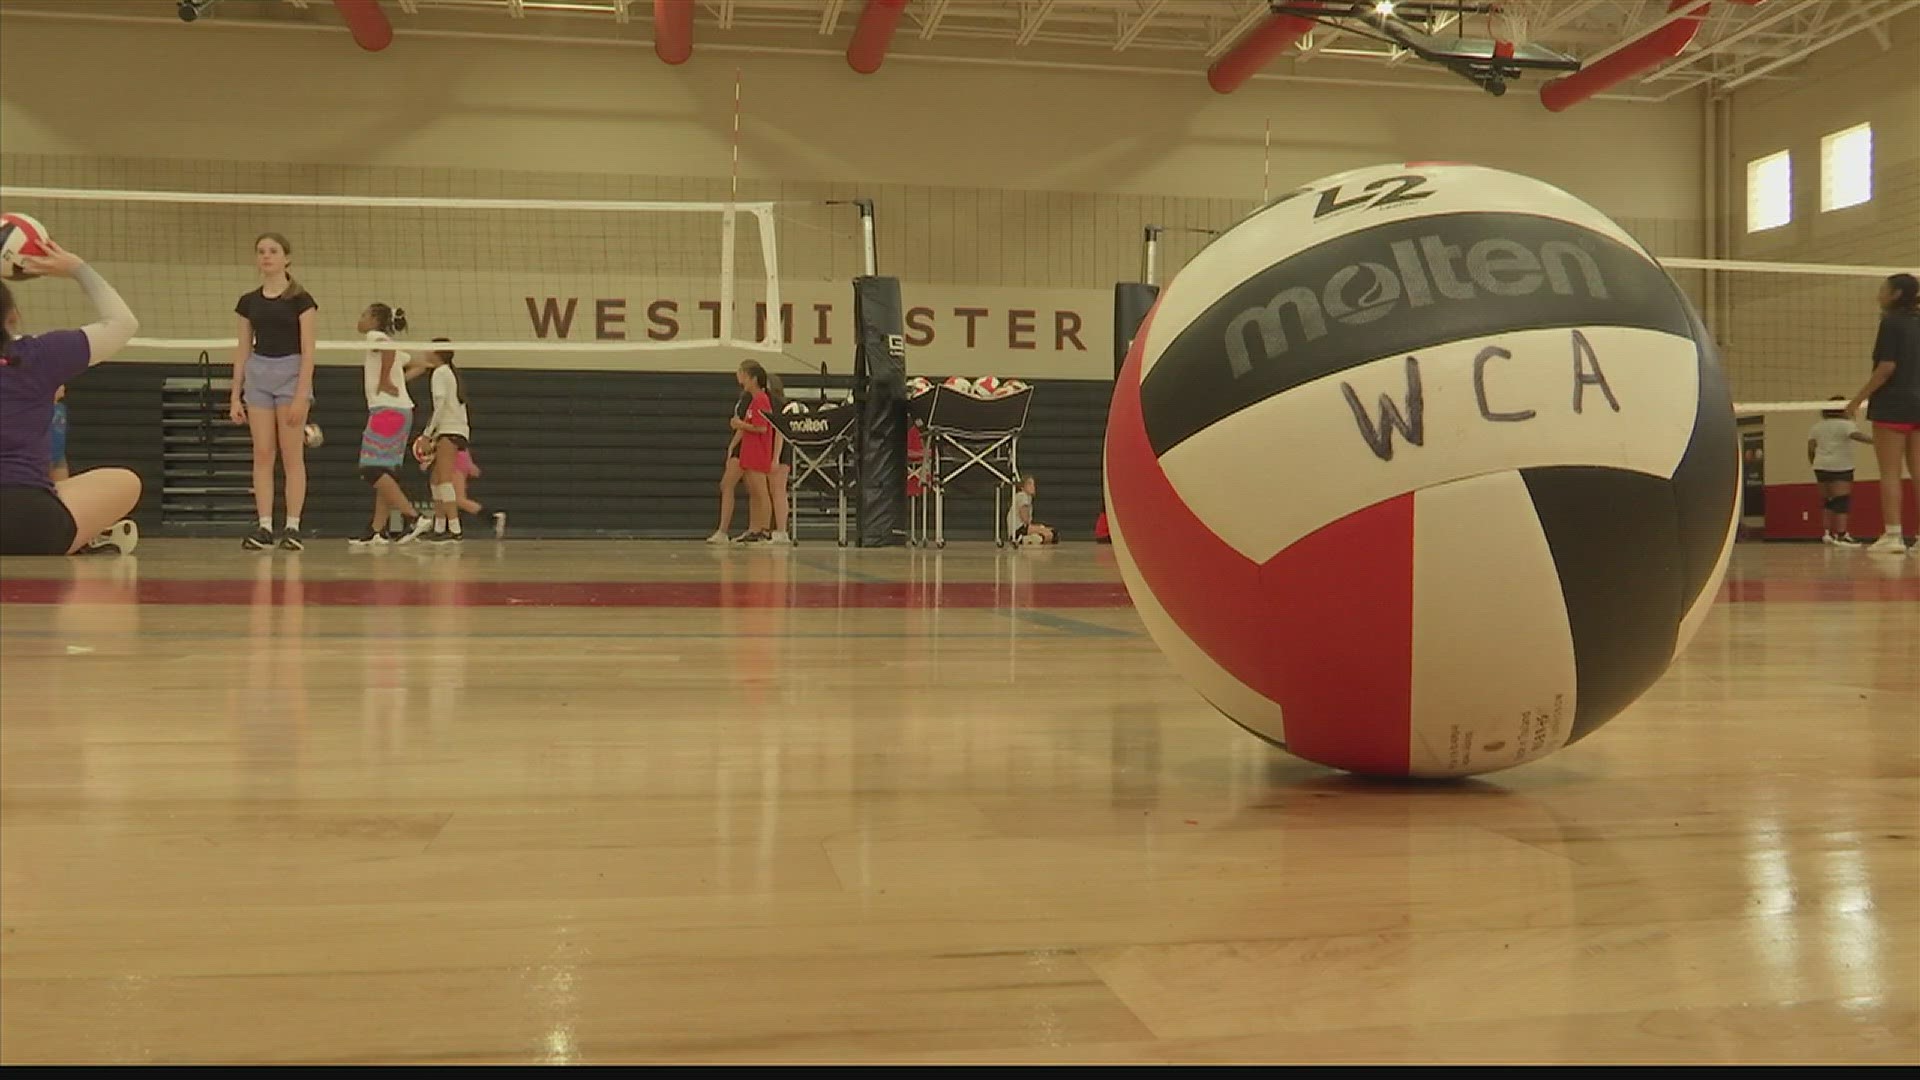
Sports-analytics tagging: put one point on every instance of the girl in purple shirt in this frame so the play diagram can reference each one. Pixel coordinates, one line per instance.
(38, 516)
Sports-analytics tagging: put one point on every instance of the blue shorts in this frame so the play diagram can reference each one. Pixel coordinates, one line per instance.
(271, 380)
(57, 433)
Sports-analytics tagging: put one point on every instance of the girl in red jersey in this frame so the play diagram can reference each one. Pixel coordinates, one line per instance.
(756, 450)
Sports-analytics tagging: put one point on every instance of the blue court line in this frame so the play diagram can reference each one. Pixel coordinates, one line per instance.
(841, 571)
(1064, 623)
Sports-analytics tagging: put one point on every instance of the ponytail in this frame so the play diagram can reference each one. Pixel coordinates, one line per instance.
(391, 320)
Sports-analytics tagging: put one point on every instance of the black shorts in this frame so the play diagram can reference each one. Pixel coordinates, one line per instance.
(459, 441)
(1828, 476)
(33, 521)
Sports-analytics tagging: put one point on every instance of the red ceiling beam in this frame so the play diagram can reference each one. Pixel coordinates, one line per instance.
(1635, 58)
(673, 30)
(371, 30)
(1255, 51)
(875, 32)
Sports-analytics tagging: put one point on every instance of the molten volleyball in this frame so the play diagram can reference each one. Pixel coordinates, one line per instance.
(20, 237)
(1422, 470)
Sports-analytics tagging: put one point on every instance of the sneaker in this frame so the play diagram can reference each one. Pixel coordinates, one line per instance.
(442, 538)
(779, 538)
(370, 538)
(1848, 541)
(290, 540)
(1890, 544)
(1829, 539)
(122, 536)
(751, 538)
(421, 524)
(258, 540)
(500, 525)
(719, 537)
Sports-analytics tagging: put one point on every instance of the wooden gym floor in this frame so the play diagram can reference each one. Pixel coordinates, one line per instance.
(588, 802)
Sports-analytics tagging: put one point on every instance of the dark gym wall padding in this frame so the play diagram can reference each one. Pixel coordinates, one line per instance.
(880, 384)
(579, 453)
(1131, 302)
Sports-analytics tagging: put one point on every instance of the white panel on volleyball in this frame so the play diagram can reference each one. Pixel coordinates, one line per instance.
(501, 278)
(1493, 663)
(1241, 253)
(1653, 375)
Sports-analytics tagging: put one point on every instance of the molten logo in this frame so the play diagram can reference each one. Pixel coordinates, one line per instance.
(1422, 273)
(807, 425)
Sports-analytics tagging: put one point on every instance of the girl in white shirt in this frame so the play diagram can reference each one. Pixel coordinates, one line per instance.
(1830, 450)
(383, 445)
(446, 436)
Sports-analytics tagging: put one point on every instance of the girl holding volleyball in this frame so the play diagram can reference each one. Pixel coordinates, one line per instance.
(1892, 398)
(383, 445)
(39, 516)
(466, 470)
(756, 449)
(273, 385)
(446, 436)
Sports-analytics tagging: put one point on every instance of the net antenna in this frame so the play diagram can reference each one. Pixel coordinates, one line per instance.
(1437, 34)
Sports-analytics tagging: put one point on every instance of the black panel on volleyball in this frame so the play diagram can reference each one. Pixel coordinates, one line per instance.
(880, 388)
(1131, 302)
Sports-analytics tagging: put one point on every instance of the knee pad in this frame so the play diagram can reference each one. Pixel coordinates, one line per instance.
(1840, 504)
(444, 493)
(372, 473)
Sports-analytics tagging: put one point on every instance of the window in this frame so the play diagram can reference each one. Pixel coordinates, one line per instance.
(1769, 191)
(1846, 168)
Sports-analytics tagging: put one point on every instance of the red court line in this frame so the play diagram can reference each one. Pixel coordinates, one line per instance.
(229, 592)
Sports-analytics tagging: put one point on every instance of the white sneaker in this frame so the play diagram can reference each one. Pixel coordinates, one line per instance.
(719, 538)
(1890, 544)
(780, 538)
(1829, 538)
(123, 536)
(500, 525)
(1848, 542)
(421, 524)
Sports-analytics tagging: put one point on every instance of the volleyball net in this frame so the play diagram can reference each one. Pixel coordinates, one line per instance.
(507, 281)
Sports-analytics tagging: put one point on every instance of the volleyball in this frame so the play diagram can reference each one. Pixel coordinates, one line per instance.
(959, 384)
(986, 386)
(314, 436)
(20, 237)
(918, 385)
(1422, 470)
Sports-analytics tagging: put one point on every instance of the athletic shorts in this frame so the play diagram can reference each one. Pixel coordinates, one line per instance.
(271, 380)
(459, 441)
(33, 521)
(383, 445)
(57, 434)
(1830, 476)
(756, 455)
(1897, 425)
(464, 465)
